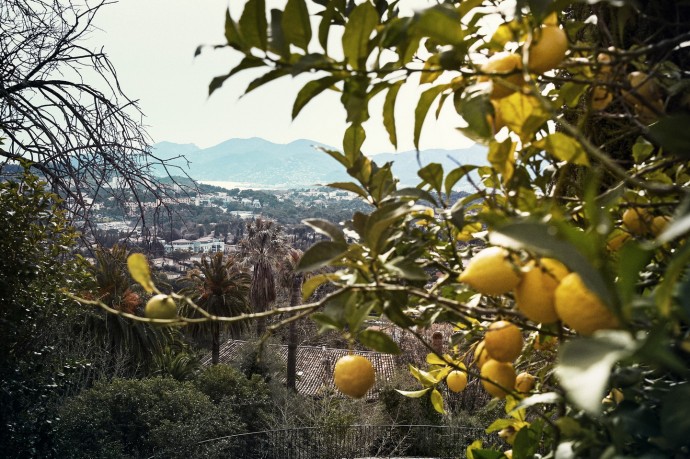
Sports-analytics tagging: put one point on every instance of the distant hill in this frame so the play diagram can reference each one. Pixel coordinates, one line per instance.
(297, 164)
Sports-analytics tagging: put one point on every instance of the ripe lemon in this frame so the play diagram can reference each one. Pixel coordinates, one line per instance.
(503, 341)
(480, 355)
(580, 309)
(643, 86)
(354, 375)
(490, 272)
(161, 306)
(637, 220)
(601, 97)
(617, 241)
(659, 224)
(501, 373)
(547, 49)
(503, 63)
(456, 380)
(524, 382)
(534, 295)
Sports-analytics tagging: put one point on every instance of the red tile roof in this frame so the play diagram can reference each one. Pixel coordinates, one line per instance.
(315, 366)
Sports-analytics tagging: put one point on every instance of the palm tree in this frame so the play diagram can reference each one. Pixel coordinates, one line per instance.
(292, 280)
(220, 286)
(111, 283)
(262, 247)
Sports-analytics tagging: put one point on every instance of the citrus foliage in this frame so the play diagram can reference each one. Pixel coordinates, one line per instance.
(583, 107)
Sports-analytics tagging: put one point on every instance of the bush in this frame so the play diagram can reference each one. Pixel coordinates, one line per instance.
(142, 418)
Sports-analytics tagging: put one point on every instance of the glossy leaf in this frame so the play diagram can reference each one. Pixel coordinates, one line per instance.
(311, 90)
(442, 23)
(232, 33)
(407, 269)
(437, 401)
(432, 174)
(389, 112)
(138, 266)
(456, 175)
(523, 114)
(425, 101)
(320, 254)
(378, 341)
(266, 78)
(353, 140)
(253, 25)
(349, 186)
(246, 63)
(502, 158)
(564, 148)
(413, 393)
(277, 42)
(584, 366)
(326, 228)
(358, 29)
(296, 24)
(312, 283)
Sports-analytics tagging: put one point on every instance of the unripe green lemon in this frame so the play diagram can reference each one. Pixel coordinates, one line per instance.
(161, 306)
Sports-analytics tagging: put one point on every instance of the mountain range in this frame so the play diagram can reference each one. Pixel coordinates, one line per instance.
(260, 163)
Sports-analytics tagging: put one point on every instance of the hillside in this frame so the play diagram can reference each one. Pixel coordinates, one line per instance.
(297, 164)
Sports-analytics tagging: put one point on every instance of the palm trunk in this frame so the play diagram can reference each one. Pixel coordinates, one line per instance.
(295, 299)
(215, 343)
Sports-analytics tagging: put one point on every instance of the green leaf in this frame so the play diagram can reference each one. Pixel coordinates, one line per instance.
(338, 156)
(389, 112)
(138, 267)
(500, 424)
(564, 148)
(325, 26)
(641, 150)
(546, 398)
(246, 63)
(311, 90)
(415, 193)
(266, 78)
(675, 422)
(326, 322)
(355, 99)
(320, 254)
(358, 29)
(674, 271)
(550, 241)
(277, 42)
(232, 33)
(311, 284)
(380, 221)
(420, 112)
(457, 215)
(432, 174)
(407, 269)
(437, 401)
(326, 228)
(671, 132)
(474, 105)
(526, 443)
(443, 24)
(632, 258)
(413, 393)
(253, 25)
(378, 341)
(296, 25)
(456, 175)
(502, 158)
(584, 366)
(349, 186)
(353, 140)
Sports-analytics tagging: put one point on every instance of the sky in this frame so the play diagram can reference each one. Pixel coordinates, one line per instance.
(151, 43)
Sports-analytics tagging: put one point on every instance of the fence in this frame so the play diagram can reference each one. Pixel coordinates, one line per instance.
(344, 442)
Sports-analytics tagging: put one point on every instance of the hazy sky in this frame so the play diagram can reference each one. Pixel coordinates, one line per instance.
(152, 43)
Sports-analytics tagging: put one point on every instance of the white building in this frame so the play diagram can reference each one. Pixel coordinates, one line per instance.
(207, 244)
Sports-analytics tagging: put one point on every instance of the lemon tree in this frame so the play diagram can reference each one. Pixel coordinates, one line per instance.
(575, 233)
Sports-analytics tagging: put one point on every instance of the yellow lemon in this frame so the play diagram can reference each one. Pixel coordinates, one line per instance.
(480, 355)
(548, 48)
(456, 380)
(490, 272)
(161, 306)
(503, 63)
(580, 309)
(637, 220)
(601, 97)
(617, 241)
(354, 375)
(659, 224)
(500, 373)
(503, 341)
(534, 295)
(524, 382)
